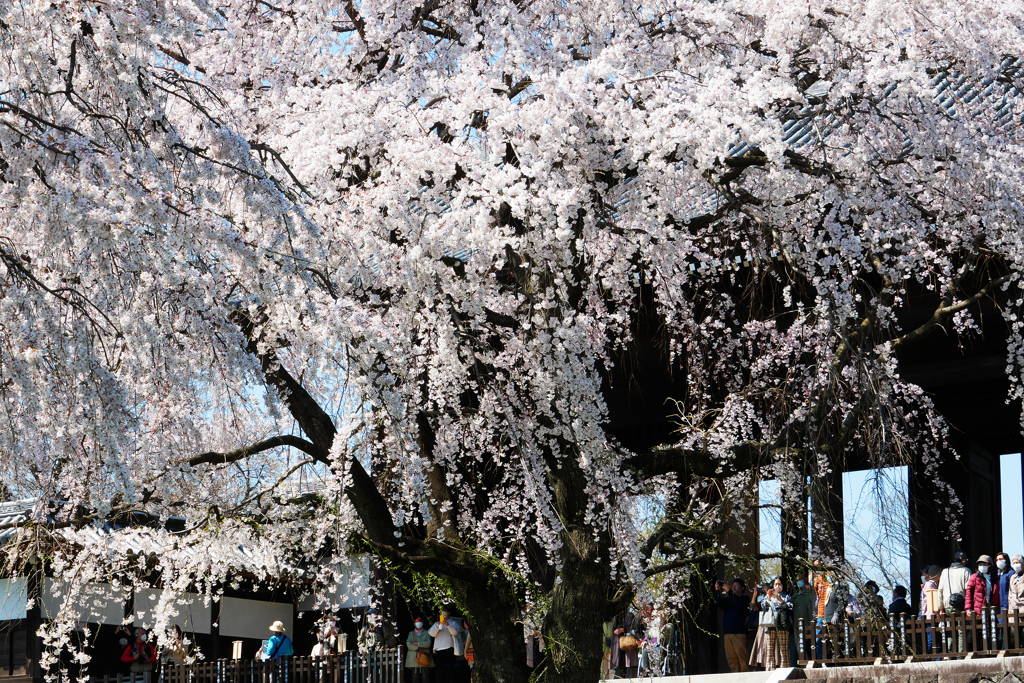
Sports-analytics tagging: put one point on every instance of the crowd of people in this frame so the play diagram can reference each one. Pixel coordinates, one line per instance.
(758, 625)
(441, 652)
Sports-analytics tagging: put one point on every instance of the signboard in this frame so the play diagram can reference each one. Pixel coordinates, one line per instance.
(98, 603)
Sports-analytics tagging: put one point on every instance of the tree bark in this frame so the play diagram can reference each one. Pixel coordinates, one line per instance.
(497, 639)
(580, 601)
(579, 606)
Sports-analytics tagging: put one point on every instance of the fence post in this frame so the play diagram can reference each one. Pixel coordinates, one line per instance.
(800, 639)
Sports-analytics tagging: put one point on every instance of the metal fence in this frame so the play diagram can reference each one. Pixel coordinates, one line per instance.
(909, 638)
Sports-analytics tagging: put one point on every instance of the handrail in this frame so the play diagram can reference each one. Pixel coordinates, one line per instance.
(383, 666)
(903, 638)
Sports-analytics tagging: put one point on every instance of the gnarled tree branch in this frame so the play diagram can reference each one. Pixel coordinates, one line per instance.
(213, 458)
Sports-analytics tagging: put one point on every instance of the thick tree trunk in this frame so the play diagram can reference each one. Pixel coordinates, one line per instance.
(497, 639)
(581, 600)
(580, 605)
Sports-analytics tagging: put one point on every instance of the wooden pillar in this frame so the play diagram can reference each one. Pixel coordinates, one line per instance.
(215, 630)
(33, 620)
(794, 538)
(827, 513)
(744, 541)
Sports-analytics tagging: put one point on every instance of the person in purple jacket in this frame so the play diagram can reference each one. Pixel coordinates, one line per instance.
(1003, 572)
(1002, 575)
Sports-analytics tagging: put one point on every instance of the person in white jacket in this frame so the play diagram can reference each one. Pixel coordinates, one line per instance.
(447, 644)
(952, 590)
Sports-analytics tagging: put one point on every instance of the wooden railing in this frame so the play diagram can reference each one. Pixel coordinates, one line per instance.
(888, 639)
(347, 667)
(143, 677)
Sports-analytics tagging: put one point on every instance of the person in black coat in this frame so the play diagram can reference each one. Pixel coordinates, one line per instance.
(899, 604)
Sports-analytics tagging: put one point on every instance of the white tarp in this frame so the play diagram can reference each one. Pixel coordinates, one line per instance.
(99, 603)
(13, 598)
(251, 618)
(192, 615)
(351, 591)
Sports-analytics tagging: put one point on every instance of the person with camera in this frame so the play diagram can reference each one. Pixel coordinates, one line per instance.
(776, 607)
(447, 645)
(124, 637)
(734, 605)
(140, 654)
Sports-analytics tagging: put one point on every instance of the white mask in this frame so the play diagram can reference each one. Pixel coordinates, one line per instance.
(144, 637)
(924, 579)
(1001, 564)
(1016, 567)
(983, 568)
(419, 624)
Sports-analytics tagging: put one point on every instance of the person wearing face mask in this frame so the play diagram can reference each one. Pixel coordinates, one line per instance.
(982, 590)
(124, 636)
(1015, 594)
(931, 585)
(778, 605)
(922, 604)
(445, 632)
(140, 654)
(418, 646)
(803, 608)
(1002, 576)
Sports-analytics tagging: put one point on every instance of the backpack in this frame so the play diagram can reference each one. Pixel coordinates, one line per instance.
(957, 599)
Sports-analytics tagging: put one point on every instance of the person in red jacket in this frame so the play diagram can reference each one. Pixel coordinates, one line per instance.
(140, 654)
(982, 588)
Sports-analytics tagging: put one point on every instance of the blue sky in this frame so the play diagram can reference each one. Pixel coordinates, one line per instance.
(1010, 494)
(878, 541)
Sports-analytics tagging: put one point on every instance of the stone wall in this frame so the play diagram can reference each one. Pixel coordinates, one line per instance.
(989, 670)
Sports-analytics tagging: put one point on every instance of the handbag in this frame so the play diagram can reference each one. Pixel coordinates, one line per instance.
(767, 618)
(470, 656)
(628, 643)
(422, 658)
(782, 617)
